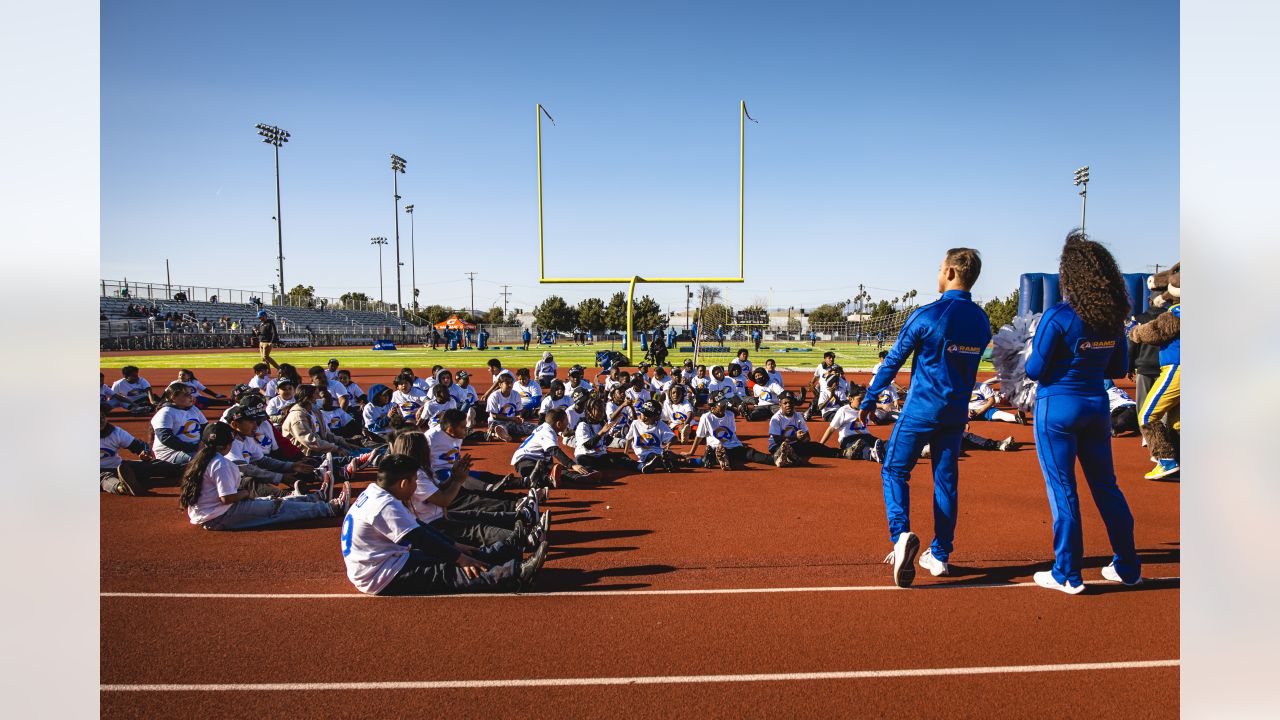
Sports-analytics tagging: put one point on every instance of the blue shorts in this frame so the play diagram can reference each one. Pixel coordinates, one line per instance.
(986, 415)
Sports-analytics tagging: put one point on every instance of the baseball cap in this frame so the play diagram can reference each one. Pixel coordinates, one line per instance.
(649, 407)
(332, 361)
(576, 370)
(787, 395)
(252, 400)
(286, 381)
(245, 412)
(461, 374)
(241, 389)
(719, 402)
(262, 313)
(580, 394)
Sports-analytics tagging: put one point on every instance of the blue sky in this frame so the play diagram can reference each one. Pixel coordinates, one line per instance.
(887, 133)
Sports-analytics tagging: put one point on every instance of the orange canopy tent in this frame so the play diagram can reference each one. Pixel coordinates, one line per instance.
(453, 323)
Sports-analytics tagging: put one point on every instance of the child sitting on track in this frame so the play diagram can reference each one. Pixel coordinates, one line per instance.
(466, 397)
(210, 399)
(1124, 411)
(542, 447)
(819, 380)
(338, 420)
(576, 380)
(545, 369)
(830, 399)
(278, 406)
(789, 440)
(742, 362)
(719, 428)
(620, 412)
(530, 394)
(503, 406)
(554, 399)
(377, 422)
(212, 497)
(649, 438)
(177, 427)
(767, 395)
(982, 406)
(261, 377)
(700, 384)
(855, 442)
(661, 382)
(723, 386)
(355, 396)
(388, 552)
(591, 439)
(133, 393)
(407, 399)
(678, 413)
(115, 474)
(260, 472)
(639, 393)
(303, 428)
(888, 406)
(440, 401)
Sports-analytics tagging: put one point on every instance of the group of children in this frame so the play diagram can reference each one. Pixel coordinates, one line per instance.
(284, 445)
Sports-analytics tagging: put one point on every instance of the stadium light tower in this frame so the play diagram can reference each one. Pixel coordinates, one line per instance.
(276, 137)
(413, 261)
(397, 169)
(379, 241)
(1082, 182)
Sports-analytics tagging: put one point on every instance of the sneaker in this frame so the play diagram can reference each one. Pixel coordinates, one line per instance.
(904, 558)
(1109, 573)
(651, 464)
(127, 485)
(780, 457)
(541, 494)
(297, 490)
(122, 489)
(326, 484)
(1163, 469)
(556, 472)
(1022, 418)
(878, 451)
(924, 453)
(722, 457)
(1045, 579)
(935, 566)
(530, 567)
(532, 498)
(342, 503)
(545, 521)
(1006, 444)
(502, 483)
(526, 510)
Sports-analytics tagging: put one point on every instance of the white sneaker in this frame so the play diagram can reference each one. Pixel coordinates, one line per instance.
(904, 557)
(1045, 579)
(1109, 573)
(935, 566)
(1005, 444)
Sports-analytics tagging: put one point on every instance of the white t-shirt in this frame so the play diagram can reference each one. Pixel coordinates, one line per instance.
(889, 395)
(832, 400)
(549, 403)
(787, 427)
(677, 413)
(699, 383)
(336, 389)
(719, 430)
(409, 402)
(352, 390)
(132, 391)
(503, 407)
(744, 364)
(105, 393)
(739, 385)
(530, 393)
(628, 413)
(466, 396)
(775, 377)
(433, 409)
(244, 450)
(419, 504)
(1118, 398)
(646, 439)
(110, 446)
(638, 396)
(278, 405)
(331, 374)
(185, 424)
(846, 421)
(195, 385)
(371, 535)
(981, 392)
(270, 390)
(585, 432)
(767, 395)
(336, 418)
(445, 450)
(260, 382)
(423, 384)
(375, 417)
(574, 417)
(537, 445)
(545, 369)
(221, 478)
(821, 371)
(661, 385)
(727, 385)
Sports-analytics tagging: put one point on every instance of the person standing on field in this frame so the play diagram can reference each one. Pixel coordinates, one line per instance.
(947, 338)
(267, 337)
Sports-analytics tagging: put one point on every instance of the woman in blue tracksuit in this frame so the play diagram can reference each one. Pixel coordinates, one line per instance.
(1077, 344)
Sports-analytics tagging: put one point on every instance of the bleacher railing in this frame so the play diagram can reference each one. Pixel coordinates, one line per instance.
(167, 293)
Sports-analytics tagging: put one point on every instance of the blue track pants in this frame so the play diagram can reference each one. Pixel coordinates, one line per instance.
(909, 436)
(1069, 427)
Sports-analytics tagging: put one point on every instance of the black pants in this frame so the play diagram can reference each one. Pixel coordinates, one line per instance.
(423, 575)
(1124, 419)
(484, 500)
(738, 456)
(867, 441)
(763, 412)
(976, 442)
(605, 461)
(475, 527)
(808, 449)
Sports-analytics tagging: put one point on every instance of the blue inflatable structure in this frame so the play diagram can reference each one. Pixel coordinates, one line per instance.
(1040, 291)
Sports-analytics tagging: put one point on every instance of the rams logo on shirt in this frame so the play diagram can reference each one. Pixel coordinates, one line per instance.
(263, 440)
(1095, 345)
(646, 440)
(789, 431)
(723, 434)
(507, 410)
(408, 408)
(334, 423)
(962, 349)
(452, 456)
(679, 416)
(191, 428)
(106, 453)
(885, 397)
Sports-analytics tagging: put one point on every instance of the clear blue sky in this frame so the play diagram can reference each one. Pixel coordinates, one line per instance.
(887, 133)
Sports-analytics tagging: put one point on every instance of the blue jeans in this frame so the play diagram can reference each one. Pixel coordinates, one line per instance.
(1069, 427)
(909, 436)
(257, 512)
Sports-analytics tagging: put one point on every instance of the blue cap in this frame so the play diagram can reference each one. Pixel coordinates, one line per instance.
(262, 313)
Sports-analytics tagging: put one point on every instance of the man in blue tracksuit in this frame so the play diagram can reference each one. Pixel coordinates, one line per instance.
(947, 338)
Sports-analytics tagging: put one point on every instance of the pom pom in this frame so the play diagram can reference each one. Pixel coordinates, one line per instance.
(1011, 347)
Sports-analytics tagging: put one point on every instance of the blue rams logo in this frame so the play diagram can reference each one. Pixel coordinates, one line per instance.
(507, 410)
(723, 433)
(262, 439)
(647, 440)
(789, 431)
(408, 407)
(334, 422)
(451, 456)
(191, 428)
(106, 453)
(679, 416)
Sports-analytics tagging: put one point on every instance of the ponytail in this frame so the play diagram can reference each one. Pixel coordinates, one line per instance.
(216, 435)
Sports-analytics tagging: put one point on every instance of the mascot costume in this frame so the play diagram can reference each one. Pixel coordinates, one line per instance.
(1159, 416)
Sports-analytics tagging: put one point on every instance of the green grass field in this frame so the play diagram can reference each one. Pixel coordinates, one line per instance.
(852, 357)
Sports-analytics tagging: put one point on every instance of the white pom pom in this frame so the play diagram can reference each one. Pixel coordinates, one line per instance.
(1011, 347)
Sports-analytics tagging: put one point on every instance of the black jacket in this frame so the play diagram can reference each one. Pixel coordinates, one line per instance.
(1145, 359)
(267, 331)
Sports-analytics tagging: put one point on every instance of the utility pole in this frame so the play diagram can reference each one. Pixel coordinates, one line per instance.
(1082, 182)
(397, 169)
(504, 295)
(276, 137)
(472, 277)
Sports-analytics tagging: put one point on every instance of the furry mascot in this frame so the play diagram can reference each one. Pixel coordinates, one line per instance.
(1011, 347)
(1163, 401)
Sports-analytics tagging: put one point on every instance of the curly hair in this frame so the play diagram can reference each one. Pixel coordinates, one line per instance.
(1092, 284)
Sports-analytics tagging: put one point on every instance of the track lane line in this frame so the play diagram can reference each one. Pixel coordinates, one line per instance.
(613, 593)
(643, 679)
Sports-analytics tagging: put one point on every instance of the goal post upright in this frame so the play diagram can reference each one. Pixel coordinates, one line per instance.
(633, 280)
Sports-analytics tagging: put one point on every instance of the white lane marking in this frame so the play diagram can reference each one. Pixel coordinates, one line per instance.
(605, 593)
(641, 680)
